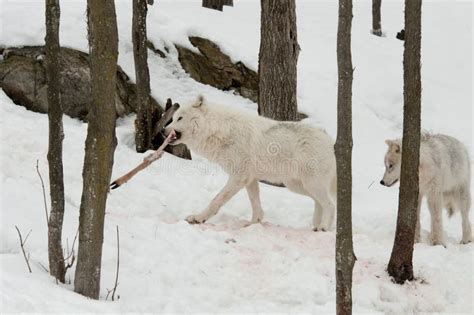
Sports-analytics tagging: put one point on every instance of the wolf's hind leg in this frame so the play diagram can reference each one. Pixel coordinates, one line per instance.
(320, 193)
(232, 186)
(254, 195)
(465, 203)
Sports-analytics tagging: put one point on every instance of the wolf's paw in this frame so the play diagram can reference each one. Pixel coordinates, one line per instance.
(257, 219)
(319, 229)
(437, 241)
(195, 219)
(252, 222)
(466, 241)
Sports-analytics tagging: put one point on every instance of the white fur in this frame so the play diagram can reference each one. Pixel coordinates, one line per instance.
(251, 148)
(444, 177)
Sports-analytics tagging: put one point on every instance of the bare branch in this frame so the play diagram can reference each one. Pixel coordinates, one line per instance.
(22, 243)
(44, 193)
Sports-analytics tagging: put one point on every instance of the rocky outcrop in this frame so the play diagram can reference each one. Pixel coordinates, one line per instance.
(22, 77)
(211, 66)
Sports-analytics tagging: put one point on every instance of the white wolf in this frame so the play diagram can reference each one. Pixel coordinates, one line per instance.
(253, 148)
(444, 177)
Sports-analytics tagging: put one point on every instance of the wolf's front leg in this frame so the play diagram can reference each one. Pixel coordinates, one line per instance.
(435, 203)
(232, 186)
(254, 196)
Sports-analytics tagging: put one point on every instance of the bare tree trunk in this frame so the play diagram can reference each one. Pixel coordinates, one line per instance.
(376, 24)
(400, 266)
(56, 135)
(278, 58)
(143, 123)
(345, 257)
(100, 145)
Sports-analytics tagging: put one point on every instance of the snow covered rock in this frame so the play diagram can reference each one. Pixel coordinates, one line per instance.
(22, 77)
(215, 68)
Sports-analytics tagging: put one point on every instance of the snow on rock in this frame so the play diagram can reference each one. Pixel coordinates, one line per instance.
(281, 265)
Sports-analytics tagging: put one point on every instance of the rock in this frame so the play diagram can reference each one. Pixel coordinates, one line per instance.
(215, 68)
(211, 66)
(22, 77)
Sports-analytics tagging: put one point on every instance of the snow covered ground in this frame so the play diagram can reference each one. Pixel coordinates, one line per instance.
(280, 266)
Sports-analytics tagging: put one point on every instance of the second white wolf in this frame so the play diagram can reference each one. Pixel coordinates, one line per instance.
(444, 178)
(251, 148)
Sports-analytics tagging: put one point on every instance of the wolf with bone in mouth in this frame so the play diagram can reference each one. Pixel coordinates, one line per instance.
(252, 148)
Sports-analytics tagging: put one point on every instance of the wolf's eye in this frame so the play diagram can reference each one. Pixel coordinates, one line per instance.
(390, 166)
(179, 118)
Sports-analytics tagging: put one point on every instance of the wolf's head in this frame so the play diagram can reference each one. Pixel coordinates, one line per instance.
(187, 121)
(393, 162)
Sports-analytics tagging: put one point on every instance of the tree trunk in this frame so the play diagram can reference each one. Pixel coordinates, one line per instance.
(345, 257)
(55, 148)
(400, 266)
(100, 145)
(143, 123)
(278, 57)
(376, 24)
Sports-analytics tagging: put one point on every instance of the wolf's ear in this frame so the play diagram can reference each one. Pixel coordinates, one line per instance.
(389, 142)
(393, 145)
(396, 147)
(199, 102)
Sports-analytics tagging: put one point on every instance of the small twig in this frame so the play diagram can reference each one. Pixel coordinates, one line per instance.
(107, 296)
(26, 238)
(118, 264)
(44, 194)
(371, 184)
(71, 255)
(42, 266)
(72, 247)
(22, 243)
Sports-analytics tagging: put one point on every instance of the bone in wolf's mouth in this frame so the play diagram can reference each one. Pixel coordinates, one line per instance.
(174, 135)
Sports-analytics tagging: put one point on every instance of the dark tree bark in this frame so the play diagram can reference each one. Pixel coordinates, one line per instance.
(278, 58)
(376, 24)
(100, 145)
(345, 257)
(143, 123)
(217, 4)
(400, 266)
(55, 149)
